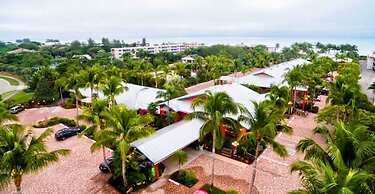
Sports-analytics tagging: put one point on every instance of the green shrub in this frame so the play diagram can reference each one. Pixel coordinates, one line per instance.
(215, 190)
(55, 121)
(69, 103)
(185, 177)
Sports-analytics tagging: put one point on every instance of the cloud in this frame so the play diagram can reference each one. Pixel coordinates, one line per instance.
(71, 19)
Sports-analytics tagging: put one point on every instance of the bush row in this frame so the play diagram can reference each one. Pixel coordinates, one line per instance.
(55, 121)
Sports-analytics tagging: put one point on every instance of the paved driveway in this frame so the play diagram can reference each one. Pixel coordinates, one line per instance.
(33, 115)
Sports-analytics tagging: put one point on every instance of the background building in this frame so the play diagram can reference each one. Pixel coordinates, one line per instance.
(371, 61)
(153, 49)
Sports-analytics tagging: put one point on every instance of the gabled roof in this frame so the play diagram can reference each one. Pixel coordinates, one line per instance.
(275, 74)
(168, 140)
(135, 97)
(174, 137)
(239, 94)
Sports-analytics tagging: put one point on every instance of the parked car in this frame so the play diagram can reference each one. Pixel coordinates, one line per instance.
(107, 165)
(64, 133)
(17, 109)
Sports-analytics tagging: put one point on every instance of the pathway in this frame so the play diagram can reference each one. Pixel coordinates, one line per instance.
(6, 87)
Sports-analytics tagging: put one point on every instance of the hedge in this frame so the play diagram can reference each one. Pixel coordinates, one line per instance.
(55, 121)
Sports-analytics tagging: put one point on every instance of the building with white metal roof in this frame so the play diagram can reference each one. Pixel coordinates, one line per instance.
(174, 137)
(136, 97)
(168, 140)
(273, 75)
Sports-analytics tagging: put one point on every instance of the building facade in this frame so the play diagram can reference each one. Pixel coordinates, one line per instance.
(371, 61)
(153, 49)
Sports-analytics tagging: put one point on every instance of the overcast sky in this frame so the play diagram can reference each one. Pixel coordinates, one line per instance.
(123, 19)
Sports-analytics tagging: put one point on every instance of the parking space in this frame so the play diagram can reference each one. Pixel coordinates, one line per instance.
(76, 173)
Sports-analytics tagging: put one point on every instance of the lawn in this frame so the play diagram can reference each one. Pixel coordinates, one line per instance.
(12, 81)
(21, 97)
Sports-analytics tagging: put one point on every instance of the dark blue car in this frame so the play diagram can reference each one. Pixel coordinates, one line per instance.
(64, 133)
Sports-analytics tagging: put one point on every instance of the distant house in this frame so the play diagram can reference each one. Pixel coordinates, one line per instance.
(188, 59)
(20, 50)
(371, 61)
(85, 57)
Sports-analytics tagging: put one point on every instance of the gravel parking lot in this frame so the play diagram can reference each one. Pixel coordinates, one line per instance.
(76, 173)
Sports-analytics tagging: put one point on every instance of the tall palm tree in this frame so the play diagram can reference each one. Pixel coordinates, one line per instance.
(216, 108)
(95, 115)
(294, 78)
(5, 116)
(112, 87)
(262, 131)
(123, 127)
(74, 82)
(21, 153)
(91, 77)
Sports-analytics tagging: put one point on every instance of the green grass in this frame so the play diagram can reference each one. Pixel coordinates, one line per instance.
(21, 97)
(12, 82)
(215, 190)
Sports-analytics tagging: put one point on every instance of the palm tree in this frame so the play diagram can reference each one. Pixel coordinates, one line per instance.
(91, 77)
(181, 157)
(172, 89)
(74, 82)
(280, 97)
(112, 87)
(95, 115)
(294, 78)
(216, 108)
(21, 153)
(319, 177)
(262, 131)
(354, 146)
(123, 127)
(5, 116)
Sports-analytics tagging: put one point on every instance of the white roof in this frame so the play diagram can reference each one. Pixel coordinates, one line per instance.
(273, 75)
(187, 58)
(174, 137)
(239, 94)
(135, 97)
(168, 140)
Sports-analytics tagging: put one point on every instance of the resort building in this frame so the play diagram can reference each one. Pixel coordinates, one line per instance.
(166, 141)
(371, 61)
(153, 49)
(135, 97)
(273, 75)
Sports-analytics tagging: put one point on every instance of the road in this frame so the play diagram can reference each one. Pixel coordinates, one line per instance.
(367, 77)
(5, 87)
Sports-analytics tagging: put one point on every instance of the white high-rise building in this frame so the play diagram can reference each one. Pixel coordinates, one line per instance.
(153, 49)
